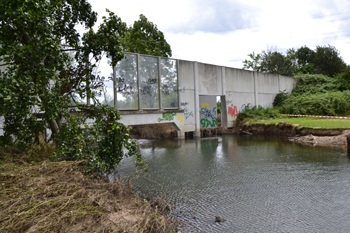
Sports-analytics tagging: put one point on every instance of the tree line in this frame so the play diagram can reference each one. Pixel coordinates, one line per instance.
(324, 60)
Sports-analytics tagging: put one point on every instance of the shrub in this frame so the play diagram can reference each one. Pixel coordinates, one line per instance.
(314, 83)
(279, 98)
(257, 113)
(102, 144)
(330, 103)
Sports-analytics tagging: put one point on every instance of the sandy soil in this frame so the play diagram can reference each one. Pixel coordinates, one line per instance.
(339, 140)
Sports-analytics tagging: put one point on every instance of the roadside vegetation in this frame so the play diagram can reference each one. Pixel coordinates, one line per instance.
(322, 87)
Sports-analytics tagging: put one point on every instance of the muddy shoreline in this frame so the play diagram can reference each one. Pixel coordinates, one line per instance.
(295, 133)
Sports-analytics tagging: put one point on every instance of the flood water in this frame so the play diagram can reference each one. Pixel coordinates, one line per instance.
(257, 184)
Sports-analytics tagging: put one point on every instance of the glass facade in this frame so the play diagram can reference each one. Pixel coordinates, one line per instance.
(139, 82)
(169, 83)
(126, 83)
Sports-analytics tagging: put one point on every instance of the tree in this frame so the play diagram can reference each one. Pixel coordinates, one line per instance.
(328, 61)
(40, 81)
(254, 63)
(270, 61)
(145, 38)
(324, 60)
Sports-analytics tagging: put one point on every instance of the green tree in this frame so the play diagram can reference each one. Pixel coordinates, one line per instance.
(324, 60)
(145, 38)
(39, 80)
(270, 61)
(254, 63)
(328, 61)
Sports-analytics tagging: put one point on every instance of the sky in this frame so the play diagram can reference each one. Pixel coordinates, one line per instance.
(224, 32)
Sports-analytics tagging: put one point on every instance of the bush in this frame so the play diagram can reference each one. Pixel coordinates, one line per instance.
(279, 98)
(331, 103)
(314, 83)
(102, 144)
(257, 113)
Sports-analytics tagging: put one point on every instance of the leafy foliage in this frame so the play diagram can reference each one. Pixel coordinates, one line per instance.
(257, 113)
(102, 143)
(324, 60)
(315, 83)
(145, 38)
(40, 81)
(218, 107)
(317, 94)
(279, 98)
(329, 104)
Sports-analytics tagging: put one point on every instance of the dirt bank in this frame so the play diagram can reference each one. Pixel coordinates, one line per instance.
(316, 136)
(57, 197)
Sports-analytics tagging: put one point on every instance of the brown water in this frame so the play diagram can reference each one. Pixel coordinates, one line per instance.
(257, 184)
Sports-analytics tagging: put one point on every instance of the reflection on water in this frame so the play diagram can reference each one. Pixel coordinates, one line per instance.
(257, 184)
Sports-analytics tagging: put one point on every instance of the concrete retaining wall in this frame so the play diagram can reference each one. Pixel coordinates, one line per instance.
(237, 88)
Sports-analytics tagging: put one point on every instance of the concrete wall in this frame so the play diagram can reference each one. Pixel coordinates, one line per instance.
(238, 88)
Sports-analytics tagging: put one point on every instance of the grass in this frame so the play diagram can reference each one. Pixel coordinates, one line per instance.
(310, 122)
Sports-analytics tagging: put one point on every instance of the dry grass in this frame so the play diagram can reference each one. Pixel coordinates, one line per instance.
(57, 197)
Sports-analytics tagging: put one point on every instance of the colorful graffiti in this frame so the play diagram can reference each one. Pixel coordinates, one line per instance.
(205, 105)
(167, 117)
(210, 119)
(206, 123)
(208, 113)
(180, 118)
(232, 111)
(187, 113)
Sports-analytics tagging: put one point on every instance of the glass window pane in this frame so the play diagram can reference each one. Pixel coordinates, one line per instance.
(169, 83)
(105, 74)
(149, 82)
(126, 78)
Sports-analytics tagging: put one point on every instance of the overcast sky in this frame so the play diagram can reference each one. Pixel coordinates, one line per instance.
(224, 32)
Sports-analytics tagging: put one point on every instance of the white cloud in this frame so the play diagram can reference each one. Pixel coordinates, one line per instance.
(224, 32)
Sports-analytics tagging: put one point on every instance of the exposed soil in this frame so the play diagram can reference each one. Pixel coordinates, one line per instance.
(57, 197)
(154, 131)
(316, 136)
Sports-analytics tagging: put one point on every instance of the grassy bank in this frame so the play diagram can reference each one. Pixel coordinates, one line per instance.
(310, 122)
(42, 196)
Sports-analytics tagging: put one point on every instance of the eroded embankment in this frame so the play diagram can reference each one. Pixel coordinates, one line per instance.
(316, 136)
(57, 197)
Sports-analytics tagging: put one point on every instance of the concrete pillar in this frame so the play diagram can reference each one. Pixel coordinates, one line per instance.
(180, 134)
(256, 88)
(224, 122)
(197, 132)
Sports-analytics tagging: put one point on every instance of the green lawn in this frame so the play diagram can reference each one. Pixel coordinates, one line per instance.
(311, 122)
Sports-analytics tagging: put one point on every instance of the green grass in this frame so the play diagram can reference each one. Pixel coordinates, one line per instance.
(310, 122)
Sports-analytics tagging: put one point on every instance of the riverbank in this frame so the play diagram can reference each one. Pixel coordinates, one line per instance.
(322, 136)
(57, 197)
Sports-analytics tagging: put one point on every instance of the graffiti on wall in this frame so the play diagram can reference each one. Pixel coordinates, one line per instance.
(206, 123)
(209, 119)
(167, 117)
(232, 111)
(188, 113)
(205, 105)
(180, 118)
(184, 104)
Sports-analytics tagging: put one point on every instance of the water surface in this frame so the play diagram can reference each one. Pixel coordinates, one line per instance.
(257, 184)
